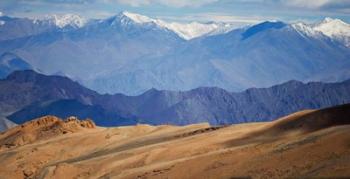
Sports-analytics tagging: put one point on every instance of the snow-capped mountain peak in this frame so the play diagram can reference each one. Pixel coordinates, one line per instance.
(65, 20)
(126, 18)
(137, 17)
(186, 31)
(335, 29)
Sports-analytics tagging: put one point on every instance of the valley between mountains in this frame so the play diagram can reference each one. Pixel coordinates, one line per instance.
(309, 143)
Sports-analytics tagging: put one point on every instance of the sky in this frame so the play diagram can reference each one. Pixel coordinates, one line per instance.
(235, 11)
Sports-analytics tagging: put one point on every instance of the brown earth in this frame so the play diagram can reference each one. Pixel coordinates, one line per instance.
(304, 144)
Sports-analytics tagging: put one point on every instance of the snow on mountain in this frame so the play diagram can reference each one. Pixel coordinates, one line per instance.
(138, 18)
(195, 29)
(65, 20)
(260, 56)
(127, 19)
(19, 27)
(335, 28)
(130, 53)
(305, 29)
(186, 31)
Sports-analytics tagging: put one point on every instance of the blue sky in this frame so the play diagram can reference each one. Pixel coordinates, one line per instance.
(239, 11)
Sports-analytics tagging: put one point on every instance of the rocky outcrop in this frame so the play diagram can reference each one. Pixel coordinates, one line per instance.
(42, 128)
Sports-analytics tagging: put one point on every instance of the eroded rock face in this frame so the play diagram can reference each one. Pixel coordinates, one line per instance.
(43, 128)
(74, 123)
(87, 123)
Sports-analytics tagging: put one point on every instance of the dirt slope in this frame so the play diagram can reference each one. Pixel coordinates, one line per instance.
(304, 144)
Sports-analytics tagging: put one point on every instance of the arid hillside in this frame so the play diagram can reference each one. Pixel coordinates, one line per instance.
(311, 143)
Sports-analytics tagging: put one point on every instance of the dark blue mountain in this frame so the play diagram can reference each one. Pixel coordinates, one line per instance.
(214, 105)
(67, 108)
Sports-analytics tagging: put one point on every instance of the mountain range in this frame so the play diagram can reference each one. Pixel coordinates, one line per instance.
(32, 99)
(131, 53)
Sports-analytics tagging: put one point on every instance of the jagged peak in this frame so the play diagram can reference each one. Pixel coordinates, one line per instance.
(334, 28)
(328, 21)
(126, 18)
(184, 30)
(332, 20)
(137, 18)
(64, 20)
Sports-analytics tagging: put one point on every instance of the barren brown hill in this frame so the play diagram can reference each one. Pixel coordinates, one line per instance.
(305, 144)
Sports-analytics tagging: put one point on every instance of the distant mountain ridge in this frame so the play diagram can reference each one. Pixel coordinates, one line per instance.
(13, 27)
(213, 105)
(130, 53)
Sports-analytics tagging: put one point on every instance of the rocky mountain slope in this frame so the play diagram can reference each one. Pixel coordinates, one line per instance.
(32, 87)
(310, 144)
(214, 105)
